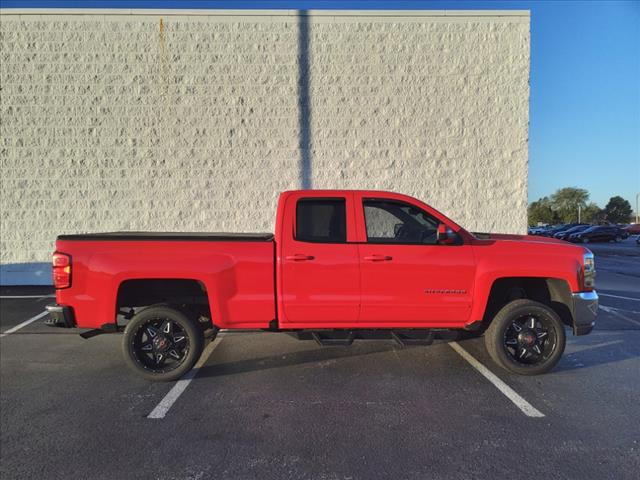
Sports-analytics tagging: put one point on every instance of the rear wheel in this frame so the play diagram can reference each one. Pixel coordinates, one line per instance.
(526, 337)
(162, 344)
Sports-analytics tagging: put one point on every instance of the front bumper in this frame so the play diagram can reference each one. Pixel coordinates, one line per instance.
(585, 310)
(60, 316)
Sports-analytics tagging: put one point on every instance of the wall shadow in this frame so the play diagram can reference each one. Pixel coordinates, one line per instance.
(304, 106)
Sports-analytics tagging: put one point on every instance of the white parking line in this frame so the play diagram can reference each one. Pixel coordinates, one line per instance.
(23, 324)
(528, 409)
(618, 296)
(615, 312)
(3, 297)
(181, 385)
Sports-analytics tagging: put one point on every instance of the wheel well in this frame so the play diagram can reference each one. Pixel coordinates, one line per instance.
(188, 296)
(553, 292)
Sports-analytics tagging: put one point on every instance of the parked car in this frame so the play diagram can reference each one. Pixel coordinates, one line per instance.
(599, 233)
(564, 234)
(633, 229)
(537, 230)
(342, 265)
(558, 228)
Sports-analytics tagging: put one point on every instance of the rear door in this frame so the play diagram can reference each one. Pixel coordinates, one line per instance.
(320, 281)
(407, 278)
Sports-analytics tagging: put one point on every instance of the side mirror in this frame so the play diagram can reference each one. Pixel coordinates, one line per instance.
(446, 236)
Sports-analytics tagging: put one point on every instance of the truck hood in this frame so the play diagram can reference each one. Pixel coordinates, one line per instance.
(517, 238)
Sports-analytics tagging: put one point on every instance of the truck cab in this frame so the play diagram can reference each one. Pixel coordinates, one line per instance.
(371, 260)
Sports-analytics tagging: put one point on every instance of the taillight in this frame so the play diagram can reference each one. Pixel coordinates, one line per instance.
(61, 263)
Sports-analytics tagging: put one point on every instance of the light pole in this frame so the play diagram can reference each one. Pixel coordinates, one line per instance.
(637, 202)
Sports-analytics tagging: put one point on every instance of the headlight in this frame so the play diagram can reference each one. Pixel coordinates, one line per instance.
(588, 270)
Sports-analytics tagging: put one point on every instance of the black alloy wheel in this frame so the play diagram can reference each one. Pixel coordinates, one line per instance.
(162, 344)
(526, 337)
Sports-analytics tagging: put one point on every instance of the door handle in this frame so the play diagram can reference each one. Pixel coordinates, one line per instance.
(378, 258)
(299, 257)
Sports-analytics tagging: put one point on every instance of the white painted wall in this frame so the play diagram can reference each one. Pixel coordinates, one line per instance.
(190, 120)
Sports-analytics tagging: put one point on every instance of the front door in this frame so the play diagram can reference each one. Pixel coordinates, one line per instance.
(319, 269)
(407, 278)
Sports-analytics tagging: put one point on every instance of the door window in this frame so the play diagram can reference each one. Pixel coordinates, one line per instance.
(390, 221)
(321, 220)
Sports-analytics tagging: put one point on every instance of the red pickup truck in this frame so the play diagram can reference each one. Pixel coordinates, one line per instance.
(342, 265)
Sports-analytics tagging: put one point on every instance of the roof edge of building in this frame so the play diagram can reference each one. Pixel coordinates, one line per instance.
(264, 13)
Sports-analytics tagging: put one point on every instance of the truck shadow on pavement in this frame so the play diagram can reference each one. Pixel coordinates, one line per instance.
(292, 359)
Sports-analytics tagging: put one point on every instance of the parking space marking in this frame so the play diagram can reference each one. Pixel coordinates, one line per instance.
(526, 408)
(618, 296)
(23, 324)
(615, 312)
(181, 385)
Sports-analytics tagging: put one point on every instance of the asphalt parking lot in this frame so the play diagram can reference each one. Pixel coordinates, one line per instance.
(267, 406)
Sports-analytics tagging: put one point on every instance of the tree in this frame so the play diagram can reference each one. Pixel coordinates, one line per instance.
(541, 211)
(618, 210)
(590, 213)
(565, 203)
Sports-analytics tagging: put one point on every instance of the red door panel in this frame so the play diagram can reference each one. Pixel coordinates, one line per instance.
(319, 272)
(416, 285)
(408, 279)
(324, 289)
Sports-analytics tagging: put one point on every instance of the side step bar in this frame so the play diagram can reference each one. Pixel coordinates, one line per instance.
(404, 338)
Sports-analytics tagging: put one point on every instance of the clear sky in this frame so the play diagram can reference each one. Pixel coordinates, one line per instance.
(585, 83)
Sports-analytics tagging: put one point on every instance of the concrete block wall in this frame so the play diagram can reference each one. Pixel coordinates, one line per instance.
(196, 120)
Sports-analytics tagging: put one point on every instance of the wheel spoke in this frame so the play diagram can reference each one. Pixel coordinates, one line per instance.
(146, 347)
(174, 354)
(532, 323)
(516, 327)
(166, 326)
(536, 349)
(178, 338)
(151, 331)
(542, 335)
(511, 341)
(159, 359)
(523, 353)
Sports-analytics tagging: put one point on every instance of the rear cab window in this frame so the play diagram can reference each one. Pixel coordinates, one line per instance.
(321, 220)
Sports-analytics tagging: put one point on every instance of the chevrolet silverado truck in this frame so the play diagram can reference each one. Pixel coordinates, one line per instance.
(342, 265)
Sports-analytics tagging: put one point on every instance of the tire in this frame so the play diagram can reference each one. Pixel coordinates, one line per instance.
(161, 344)
(547, 335)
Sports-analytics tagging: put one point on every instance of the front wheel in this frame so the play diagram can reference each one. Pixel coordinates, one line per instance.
(162, 344)
(526, 337)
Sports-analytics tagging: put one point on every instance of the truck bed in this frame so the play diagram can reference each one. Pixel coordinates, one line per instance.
(235, 270)
(172, 236)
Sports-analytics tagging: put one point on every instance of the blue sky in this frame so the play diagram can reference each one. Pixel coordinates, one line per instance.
(585, 83)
